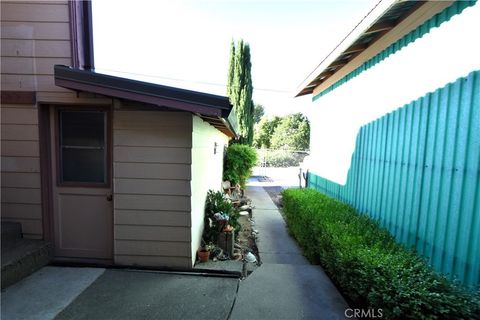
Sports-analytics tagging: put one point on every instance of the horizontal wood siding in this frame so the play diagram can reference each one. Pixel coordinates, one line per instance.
(152, 261)
(34, 37)
(36, 49)
(151, 165)
(34, 12)
(19, 179)
(152, 218)
(152, 186)
(27, 65)
(19, 132)
(20, 168)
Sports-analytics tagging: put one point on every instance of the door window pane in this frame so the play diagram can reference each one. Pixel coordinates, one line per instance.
(83, 128)
(82, 146)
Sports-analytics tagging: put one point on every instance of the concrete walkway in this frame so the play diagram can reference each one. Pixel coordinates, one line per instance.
(286, 286)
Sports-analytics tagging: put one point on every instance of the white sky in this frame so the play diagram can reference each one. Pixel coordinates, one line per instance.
(186, 43)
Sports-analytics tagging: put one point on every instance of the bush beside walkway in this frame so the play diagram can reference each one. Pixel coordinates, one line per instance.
(368, 265)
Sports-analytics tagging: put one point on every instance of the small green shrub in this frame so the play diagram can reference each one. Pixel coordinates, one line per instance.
(217, 202)
(368, 265)
(238, 164)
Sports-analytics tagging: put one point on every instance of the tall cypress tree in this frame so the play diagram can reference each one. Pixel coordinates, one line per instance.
(231, 71)
(240, 88)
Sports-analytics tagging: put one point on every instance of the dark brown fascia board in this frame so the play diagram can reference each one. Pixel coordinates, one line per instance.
(176, 98)
(18, 97)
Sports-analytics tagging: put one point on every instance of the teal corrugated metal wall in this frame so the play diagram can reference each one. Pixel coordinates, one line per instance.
(417, 171)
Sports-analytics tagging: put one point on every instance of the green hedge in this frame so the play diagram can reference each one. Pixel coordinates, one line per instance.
(369, 267)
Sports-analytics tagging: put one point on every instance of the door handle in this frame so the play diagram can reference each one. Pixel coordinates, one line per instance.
(109, 197)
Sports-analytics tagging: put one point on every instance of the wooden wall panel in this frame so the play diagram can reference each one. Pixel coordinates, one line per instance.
(35, 12)
(152, 218)
(152, 233)
(20, 164)
(152, 170)
(20, 149)
(152, 186)
(35, 30)
(18, 179)
(21, 195)
(34, 37)
(153, 155)
(153, 261)
(36, 48)
(19, 116)
(19, 132)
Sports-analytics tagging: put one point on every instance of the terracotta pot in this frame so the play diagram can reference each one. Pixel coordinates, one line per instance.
(203, 255)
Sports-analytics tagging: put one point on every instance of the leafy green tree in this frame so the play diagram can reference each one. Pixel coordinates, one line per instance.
(264, 131)
(293, 132)
(258, 113)
(240, 89)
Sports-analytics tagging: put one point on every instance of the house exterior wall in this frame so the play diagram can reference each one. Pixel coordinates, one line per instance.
(416, 171)
(151, 187)
(34, 37)
(207, 164)
(429, 61)
(152, 169)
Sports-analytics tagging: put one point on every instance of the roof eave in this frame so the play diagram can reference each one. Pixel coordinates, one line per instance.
(371, 25)
(212, 108)
(176, 98)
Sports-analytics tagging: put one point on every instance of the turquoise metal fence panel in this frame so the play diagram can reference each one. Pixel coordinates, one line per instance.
(417, 171)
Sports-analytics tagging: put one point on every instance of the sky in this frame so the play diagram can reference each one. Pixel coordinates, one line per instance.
(186, 43)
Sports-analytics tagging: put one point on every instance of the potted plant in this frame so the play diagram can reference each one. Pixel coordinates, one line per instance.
(219, 212)
(203, 252)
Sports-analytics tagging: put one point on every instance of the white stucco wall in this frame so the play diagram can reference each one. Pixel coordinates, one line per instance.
(439, 57)
(207, 170)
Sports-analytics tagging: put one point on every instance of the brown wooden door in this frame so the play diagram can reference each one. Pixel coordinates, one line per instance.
(82, 191)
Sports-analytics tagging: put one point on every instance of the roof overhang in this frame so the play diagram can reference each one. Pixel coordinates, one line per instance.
(213, 109)
(386, 16)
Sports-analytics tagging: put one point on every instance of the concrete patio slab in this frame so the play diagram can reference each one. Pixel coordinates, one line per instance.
(129, 294)
(46, 292)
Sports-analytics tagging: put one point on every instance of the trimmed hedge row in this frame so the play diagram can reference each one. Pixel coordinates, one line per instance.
(368, 265)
